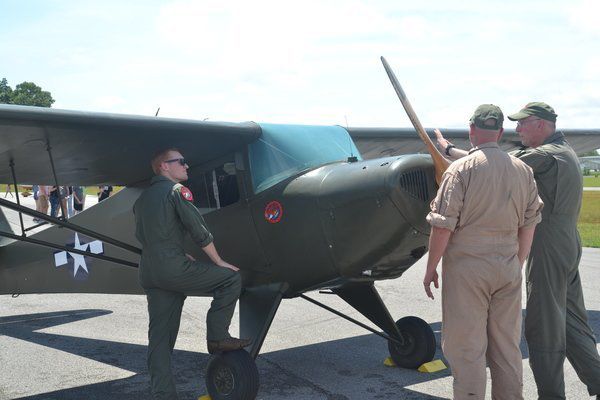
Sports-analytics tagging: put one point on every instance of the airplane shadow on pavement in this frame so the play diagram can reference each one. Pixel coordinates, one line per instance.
(334, 370)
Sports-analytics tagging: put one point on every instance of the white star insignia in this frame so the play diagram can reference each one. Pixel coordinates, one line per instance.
(60, 258)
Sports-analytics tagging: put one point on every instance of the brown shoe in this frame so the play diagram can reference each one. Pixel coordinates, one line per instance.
(229, 344)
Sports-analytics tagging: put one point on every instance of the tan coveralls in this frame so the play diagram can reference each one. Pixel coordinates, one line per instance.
(484, 198)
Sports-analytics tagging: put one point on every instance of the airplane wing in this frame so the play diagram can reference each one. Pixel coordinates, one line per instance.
(383, 142)
(100, 148)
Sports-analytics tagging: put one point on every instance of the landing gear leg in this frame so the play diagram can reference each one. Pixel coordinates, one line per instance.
(414, 342)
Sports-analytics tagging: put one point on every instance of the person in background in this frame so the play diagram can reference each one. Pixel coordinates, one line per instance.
(69, 200)
(57, 196)
(41, 204)
(36, 190)
(78, 199)
(54, 198)
(104, 193)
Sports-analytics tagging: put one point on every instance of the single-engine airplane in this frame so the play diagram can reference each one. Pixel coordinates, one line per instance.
(298, 208)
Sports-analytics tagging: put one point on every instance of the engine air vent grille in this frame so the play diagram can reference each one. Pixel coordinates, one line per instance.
(415, 183)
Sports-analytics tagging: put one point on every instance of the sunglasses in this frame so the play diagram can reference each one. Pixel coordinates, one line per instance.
(181, 161)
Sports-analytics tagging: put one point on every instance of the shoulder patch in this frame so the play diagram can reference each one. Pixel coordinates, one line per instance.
(186, 193)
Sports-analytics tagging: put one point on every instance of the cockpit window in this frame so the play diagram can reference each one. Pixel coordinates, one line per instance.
(284, 150)
(214, 188)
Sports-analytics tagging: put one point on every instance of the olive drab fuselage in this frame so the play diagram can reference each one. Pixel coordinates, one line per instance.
(340, 222)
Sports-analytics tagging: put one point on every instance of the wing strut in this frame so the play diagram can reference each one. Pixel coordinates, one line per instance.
(68, 249)
(399, 340)
(68, 225)
(60, 196)
(14, 176)
(62, 222)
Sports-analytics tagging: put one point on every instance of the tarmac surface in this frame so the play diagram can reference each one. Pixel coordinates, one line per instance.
(76, 346)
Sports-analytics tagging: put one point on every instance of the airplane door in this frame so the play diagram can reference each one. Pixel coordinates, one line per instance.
(216, 190)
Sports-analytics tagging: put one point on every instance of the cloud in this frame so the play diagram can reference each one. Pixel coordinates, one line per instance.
(583, 16)
(309, 62)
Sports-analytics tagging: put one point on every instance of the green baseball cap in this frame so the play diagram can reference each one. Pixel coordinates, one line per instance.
(488, 116)
(536, 108)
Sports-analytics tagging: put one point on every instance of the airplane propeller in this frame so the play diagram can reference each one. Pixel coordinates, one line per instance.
(440, 163)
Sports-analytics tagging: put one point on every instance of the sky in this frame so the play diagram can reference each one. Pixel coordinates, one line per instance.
(307, 62)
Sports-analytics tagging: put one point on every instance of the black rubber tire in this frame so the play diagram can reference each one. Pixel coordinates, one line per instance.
(232, 376)
(419, 345)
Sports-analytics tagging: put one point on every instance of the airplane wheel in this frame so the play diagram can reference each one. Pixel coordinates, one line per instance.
(419, 343)
(232, 376)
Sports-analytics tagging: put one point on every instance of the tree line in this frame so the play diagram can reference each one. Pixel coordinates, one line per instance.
(24, 94)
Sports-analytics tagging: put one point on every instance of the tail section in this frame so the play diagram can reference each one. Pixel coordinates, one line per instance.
(33, 268)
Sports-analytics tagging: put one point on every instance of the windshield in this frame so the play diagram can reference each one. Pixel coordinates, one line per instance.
(284, 150)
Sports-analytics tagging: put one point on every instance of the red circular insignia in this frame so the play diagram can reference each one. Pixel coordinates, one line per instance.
(186, 194)
(273, 212)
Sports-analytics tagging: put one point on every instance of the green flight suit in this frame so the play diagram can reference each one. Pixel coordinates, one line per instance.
(556, 324)
(164, 215)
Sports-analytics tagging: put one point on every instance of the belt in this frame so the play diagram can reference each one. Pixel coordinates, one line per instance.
(504, 239)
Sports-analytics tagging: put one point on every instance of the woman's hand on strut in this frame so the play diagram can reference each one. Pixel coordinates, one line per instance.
(191, 258)
(430, 277)
(225, 264)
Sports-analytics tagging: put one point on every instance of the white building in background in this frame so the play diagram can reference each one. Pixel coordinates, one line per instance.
(590, 162)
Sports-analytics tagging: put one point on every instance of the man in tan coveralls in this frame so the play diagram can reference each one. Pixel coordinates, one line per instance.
(164, 215)
(483, 219)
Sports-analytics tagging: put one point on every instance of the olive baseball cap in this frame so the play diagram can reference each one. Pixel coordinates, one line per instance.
(488, 116)
(535, 108)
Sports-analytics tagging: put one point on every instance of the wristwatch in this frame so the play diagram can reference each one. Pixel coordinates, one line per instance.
(448, 147)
